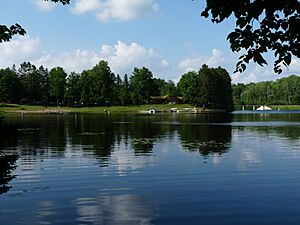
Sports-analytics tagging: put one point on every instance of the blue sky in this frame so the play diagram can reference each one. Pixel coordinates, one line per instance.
(167, 37)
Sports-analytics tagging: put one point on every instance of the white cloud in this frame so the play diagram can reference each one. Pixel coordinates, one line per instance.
(256, 73)
(84, 6)
(115, 10)
(77, 60)
(294, 67)
(43, 5)
(253, 73)
(18, 50)
(216, 59)
(121, 57)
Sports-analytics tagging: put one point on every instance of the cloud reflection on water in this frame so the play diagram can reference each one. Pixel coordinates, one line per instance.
(118, 209)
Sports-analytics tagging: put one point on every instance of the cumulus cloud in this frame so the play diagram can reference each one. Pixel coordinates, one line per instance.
(217, 58)
(84, 6)
(256, 73)
(115, 10)
(18, 50)
(76, 60)
(253, 73)
(121, 57)
(43, 5)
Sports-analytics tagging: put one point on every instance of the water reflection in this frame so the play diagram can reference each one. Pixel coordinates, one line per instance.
(129, 169)
(208, 137)
(105, 137)
(93, 133)
(119, 209)
(8, 139)
(7, 165)
(51, 135)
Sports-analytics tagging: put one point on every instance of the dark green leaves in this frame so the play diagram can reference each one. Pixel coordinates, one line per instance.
(209, 88)
(261, 26)
(6, 33)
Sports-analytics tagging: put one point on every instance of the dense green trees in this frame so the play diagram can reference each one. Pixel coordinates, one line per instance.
(102, 82)
(73, 89)
(210, 88)
(57, 82)
(124, 93)
(282, 91)
(10, 86)
(34, 83)
(215, 88)
(188, 87)
(141, 85)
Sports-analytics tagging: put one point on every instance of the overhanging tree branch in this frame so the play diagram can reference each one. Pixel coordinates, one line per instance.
(261, 26)
(6, 33)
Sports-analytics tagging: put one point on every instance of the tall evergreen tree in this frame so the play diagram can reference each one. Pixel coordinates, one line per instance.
(141, 85)
(44, 76)
(10, 86)
(86, 83)
(188, 87)
(103, 85)
(215, 88)
(57, 83)
(32, 82)
(125, 91)
(117, 90)
(73, 89)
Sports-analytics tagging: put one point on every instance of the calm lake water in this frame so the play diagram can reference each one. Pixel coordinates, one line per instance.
(241, 168)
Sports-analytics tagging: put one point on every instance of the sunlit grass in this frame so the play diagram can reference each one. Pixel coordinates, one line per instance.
(102, 109)
(5, 108)
(285, 107)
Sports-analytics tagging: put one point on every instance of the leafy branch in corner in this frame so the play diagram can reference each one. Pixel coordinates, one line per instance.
(6, 33)
(261, 26)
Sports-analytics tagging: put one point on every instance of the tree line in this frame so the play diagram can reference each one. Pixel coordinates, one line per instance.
(284, 91)
(209, 87)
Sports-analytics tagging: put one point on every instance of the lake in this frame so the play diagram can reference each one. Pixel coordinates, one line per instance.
(240, 168)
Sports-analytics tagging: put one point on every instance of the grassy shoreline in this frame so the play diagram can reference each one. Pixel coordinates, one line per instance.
(14, 108)
(285, 107)
(274, 107)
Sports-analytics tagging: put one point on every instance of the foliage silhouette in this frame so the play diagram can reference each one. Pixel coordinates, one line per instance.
(261, 26)
(7, 162)
(6, 33)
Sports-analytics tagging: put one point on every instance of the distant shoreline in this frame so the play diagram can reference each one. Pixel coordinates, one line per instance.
(139, 109)
(161, 108)
(41, 111)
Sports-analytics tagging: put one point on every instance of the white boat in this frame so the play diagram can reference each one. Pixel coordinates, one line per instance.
(263, 108)
(151, 111)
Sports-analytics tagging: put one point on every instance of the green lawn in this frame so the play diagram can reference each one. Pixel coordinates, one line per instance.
(285, 107)
(6, 108)
(112, 109)
(15, 107)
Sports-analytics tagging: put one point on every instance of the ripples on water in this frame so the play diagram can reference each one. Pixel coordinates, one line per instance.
(126, 169)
